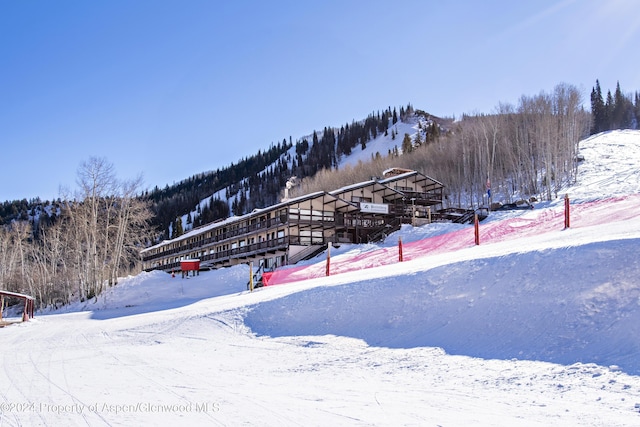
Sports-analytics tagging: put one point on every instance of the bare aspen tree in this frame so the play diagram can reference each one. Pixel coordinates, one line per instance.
(490, 132)
(52, 255)
(97, 182)
(7, 257)
(73, 238)
(21, 231)
(96, 235)
(132, 227)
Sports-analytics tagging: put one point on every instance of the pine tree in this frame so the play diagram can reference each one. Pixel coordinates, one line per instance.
(177, 228)
(609, 106)
(594, 112)
(637, 110)
(417, 140)
(407, 145)
(234, 206)
(598, 111)
(619, 114)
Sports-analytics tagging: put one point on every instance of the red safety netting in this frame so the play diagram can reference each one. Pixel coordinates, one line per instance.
(534, 222)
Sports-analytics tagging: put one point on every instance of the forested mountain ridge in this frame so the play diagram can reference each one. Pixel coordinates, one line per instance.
(173, 201)
(258, 181)
(254, 181)
(528, 149)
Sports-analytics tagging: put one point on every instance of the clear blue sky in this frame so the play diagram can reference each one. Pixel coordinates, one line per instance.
(168, 89)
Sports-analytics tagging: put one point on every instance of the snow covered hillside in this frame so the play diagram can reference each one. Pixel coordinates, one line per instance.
(381, 145)
(536, 326)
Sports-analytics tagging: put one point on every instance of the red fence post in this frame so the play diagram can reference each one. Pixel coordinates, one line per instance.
(477, 228)
(567, 214)
(399, 249)
(328, 259)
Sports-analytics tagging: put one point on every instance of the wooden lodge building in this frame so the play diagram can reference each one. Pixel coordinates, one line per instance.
(298, 228)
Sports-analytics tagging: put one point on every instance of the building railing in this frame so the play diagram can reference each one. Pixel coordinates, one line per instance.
(246, 232)
(246, 251)
(217, 238)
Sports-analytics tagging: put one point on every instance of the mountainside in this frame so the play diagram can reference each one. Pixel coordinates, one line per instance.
(258, 180)
(521, 152)
(239, 189)
(538, 325)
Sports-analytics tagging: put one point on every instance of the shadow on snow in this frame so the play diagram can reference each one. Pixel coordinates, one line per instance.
(557, 305)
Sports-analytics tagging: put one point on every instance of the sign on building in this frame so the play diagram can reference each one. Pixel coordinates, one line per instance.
(376, 208)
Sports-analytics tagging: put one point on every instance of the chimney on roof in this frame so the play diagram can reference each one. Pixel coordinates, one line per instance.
(287, 186)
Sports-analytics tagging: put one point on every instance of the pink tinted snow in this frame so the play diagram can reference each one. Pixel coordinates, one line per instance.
(534, 222)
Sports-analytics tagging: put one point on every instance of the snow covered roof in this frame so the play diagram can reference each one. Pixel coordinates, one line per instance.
(420, 178)
(15, 294)
(256, 212)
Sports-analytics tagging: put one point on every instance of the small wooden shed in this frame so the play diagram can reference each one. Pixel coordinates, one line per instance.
(29, 303)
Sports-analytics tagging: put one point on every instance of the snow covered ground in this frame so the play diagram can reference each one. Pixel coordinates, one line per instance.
(537, 326)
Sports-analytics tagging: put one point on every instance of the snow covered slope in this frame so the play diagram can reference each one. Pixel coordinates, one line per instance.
(536, 326)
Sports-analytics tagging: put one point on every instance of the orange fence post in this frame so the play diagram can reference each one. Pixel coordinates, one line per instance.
(399, 249)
